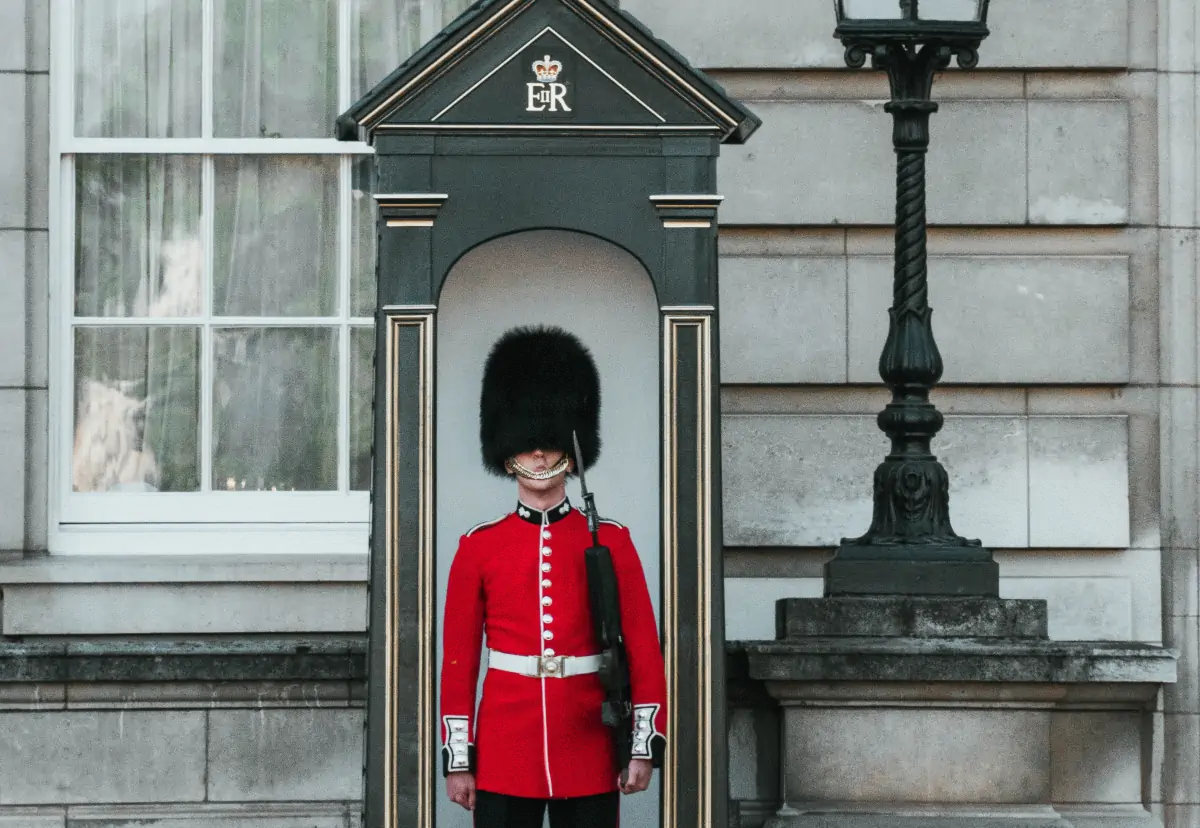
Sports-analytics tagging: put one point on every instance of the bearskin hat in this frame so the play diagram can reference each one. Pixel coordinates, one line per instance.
(539, 384)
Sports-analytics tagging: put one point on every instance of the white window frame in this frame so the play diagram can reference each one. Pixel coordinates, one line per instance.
(206, 522)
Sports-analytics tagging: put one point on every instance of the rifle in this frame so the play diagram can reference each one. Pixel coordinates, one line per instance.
(604, 596)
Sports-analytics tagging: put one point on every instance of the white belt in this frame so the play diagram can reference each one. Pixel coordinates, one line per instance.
(543, 666)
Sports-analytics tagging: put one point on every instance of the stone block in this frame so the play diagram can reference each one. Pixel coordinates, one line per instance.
(12, 470)
(46, 817)
(975, 176)
(910, 617)
(38, 35)
(1096, 757)
(917, 755)
(1181, 582)
(249, 815)
(1181, 760)
(847, 171)
(37, 466)
(1179, 435)
(1183, 635)
(37, 193)
(1181, 816)
(37, 297)
(12, 149)
(1081, 608)
(1179, 279)
(783, 320)
(13, 309)
(1065, 34)
(1079, 162)
(728, 34)
(1005, 319)
(837, 179)
(1079, 482)
(743, 754)
(798, 34)
(801, 480)
(127, 756)
(12, 37)
(137, 609)
(285, 755)
(1179, 30)
(750, 604)
(1092, 594)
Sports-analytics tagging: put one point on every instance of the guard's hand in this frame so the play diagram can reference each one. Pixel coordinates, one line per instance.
(460, 787)
(637, 777)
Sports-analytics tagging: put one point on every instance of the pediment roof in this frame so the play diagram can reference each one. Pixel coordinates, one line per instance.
(568, 66)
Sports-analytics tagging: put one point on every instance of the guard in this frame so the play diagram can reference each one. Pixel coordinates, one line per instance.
(539, 740)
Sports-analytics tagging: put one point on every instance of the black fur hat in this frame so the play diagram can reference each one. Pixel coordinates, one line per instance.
(539, 385)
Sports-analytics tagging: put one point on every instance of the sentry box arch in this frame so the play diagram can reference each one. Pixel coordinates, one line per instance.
(544, 117)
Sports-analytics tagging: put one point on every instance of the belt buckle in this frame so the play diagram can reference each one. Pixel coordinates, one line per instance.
(551, 666)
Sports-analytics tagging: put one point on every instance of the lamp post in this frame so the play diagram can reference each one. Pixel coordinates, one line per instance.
(911, 547)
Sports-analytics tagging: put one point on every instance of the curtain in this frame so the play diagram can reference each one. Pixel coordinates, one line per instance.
(140, 256)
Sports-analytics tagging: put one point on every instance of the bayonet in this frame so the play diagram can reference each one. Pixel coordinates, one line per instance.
(589, 503)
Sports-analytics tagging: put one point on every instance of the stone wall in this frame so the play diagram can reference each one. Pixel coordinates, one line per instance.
(1064, 196)
(217, 755)
(222, 733)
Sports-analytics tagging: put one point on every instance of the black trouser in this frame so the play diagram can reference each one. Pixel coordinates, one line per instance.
(494, 810)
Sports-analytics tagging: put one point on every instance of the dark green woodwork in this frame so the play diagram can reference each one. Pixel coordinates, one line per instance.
(457, 145)
(911, 547)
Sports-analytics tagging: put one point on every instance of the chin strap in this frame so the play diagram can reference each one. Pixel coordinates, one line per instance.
(554, 471)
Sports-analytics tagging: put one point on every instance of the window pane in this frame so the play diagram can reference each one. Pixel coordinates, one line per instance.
(365, 241)
(276, 236)
(275, 411)
(137, 404)
(137, 239)
(137, 68)
(386, 32)
(362, 390)
(275, 70)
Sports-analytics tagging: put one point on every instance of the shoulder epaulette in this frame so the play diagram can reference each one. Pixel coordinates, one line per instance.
(484, 525)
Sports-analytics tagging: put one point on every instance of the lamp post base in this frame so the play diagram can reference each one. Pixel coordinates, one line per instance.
(912, 570)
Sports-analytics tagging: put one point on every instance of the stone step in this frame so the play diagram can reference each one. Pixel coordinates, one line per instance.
(910, 617)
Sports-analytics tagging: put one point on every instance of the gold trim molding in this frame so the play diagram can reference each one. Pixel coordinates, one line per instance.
(395, 321)
(674, 324)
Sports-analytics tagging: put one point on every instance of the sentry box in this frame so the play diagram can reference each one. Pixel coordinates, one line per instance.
(545, 161)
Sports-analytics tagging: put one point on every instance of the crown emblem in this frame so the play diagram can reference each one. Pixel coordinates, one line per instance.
(547, 70)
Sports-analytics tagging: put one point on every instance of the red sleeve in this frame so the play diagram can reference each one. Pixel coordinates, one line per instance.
(462, 639)
(646, 670)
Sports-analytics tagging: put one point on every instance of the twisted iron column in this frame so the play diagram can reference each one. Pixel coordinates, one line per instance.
(911, 547)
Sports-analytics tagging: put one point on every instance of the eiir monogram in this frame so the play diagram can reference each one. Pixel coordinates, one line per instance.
(546, 94)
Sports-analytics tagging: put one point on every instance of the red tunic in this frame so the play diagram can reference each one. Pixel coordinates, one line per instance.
(521, 579)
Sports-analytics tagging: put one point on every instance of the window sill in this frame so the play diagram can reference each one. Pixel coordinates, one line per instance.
(230, 541)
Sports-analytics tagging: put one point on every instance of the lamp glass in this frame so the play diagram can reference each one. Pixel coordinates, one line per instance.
(948, 10)
(956, 10)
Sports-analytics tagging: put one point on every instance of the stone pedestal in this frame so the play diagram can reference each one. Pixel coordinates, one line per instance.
(923, 712)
